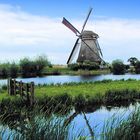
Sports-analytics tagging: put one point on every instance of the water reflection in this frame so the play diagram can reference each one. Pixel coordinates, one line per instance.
(97, 118)
(84, 122)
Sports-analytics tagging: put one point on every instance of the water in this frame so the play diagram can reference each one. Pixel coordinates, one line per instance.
(68, 78)
(98, 118)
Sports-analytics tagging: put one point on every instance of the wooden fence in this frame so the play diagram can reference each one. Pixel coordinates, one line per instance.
(25, 90)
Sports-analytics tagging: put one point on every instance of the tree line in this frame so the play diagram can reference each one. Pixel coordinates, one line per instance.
(116, 67)
(26, 67)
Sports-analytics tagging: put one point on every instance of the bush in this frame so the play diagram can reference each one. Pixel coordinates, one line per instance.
(137, 67)
(27, 67)
(13, 70)
(4, 69)
(86, 65)
(40, 63)
(33, 67)
(73, 66)
(118, 67)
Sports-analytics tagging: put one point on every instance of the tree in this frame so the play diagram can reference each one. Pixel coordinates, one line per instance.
(118, 67)
(30, 67)
(137, 67)
(13, 70)
(133, 61)
(27, 67)
(41, 62)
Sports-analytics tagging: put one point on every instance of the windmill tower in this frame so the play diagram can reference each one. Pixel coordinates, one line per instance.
(89, 46)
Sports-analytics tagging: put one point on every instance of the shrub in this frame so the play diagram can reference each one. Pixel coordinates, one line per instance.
(40, 63)
(4, 69)
(73, 66)
(33, 67)
(137, 67)
(27, 67)
(118, 67)
(86, 65)
(13, 70)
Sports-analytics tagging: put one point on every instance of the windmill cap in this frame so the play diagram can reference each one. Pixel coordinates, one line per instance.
(89, 33)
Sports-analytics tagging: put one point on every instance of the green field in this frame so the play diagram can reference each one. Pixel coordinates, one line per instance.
(93, 92)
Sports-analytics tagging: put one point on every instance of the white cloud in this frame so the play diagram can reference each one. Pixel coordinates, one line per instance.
(25, 34)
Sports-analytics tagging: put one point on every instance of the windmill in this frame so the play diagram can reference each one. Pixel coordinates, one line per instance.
(87, 40)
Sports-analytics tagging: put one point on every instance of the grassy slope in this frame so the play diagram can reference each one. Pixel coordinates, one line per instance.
(91, 89)
(95, 90)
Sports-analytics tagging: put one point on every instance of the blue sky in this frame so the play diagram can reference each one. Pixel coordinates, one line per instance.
(33, 27)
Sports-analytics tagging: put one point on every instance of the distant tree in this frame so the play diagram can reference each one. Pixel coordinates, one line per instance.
(137, 67)
(4, 67)
(13, 70)
(30, 67)
(27, 67)
(41, 62)
(133, 61)
(118, 67)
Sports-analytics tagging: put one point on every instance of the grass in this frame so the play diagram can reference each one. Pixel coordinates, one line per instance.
(82, 94)
(95, 90)
(40, 126)
(62, 70)
(122, 128)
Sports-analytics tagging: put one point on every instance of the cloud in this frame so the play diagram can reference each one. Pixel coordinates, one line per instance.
(25, 34)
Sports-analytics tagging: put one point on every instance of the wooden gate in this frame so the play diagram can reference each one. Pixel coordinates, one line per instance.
(25, 90)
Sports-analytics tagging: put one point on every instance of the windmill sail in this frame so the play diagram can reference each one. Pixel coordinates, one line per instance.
(98, 46)
(73, 52)
(86, 19)
(70, 26)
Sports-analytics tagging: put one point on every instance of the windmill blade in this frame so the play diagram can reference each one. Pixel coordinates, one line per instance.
(70, 26)
(93, 50)
(86, 19)
(98, 46)
(73, 52)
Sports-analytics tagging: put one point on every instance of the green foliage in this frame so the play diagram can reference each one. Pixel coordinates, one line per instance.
(13, 69)
(33, 67)
(121, 95)
(82, 94)
(73, 66)
(4, 70)
(41, 62)
(137, 67)
(122, 128)
(118, 67)
(133, 61)
(86, 65)
(27, 67)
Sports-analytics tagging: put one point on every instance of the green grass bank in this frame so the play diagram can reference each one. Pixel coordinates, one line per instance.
(81, 94)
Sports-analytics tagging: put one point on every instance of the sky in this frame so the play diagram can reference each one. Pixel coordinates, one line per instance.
(29, 28)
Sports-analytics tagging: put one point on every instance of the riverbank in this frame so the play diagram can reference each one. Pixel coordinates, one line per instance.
(83, 94)
(63, 70)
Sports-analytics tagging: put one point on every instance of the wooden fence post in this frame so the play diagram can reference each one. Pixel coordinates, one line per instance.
(14, 87)
(27, 92)
(8, 86)
(32, 93)
(21, 88)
